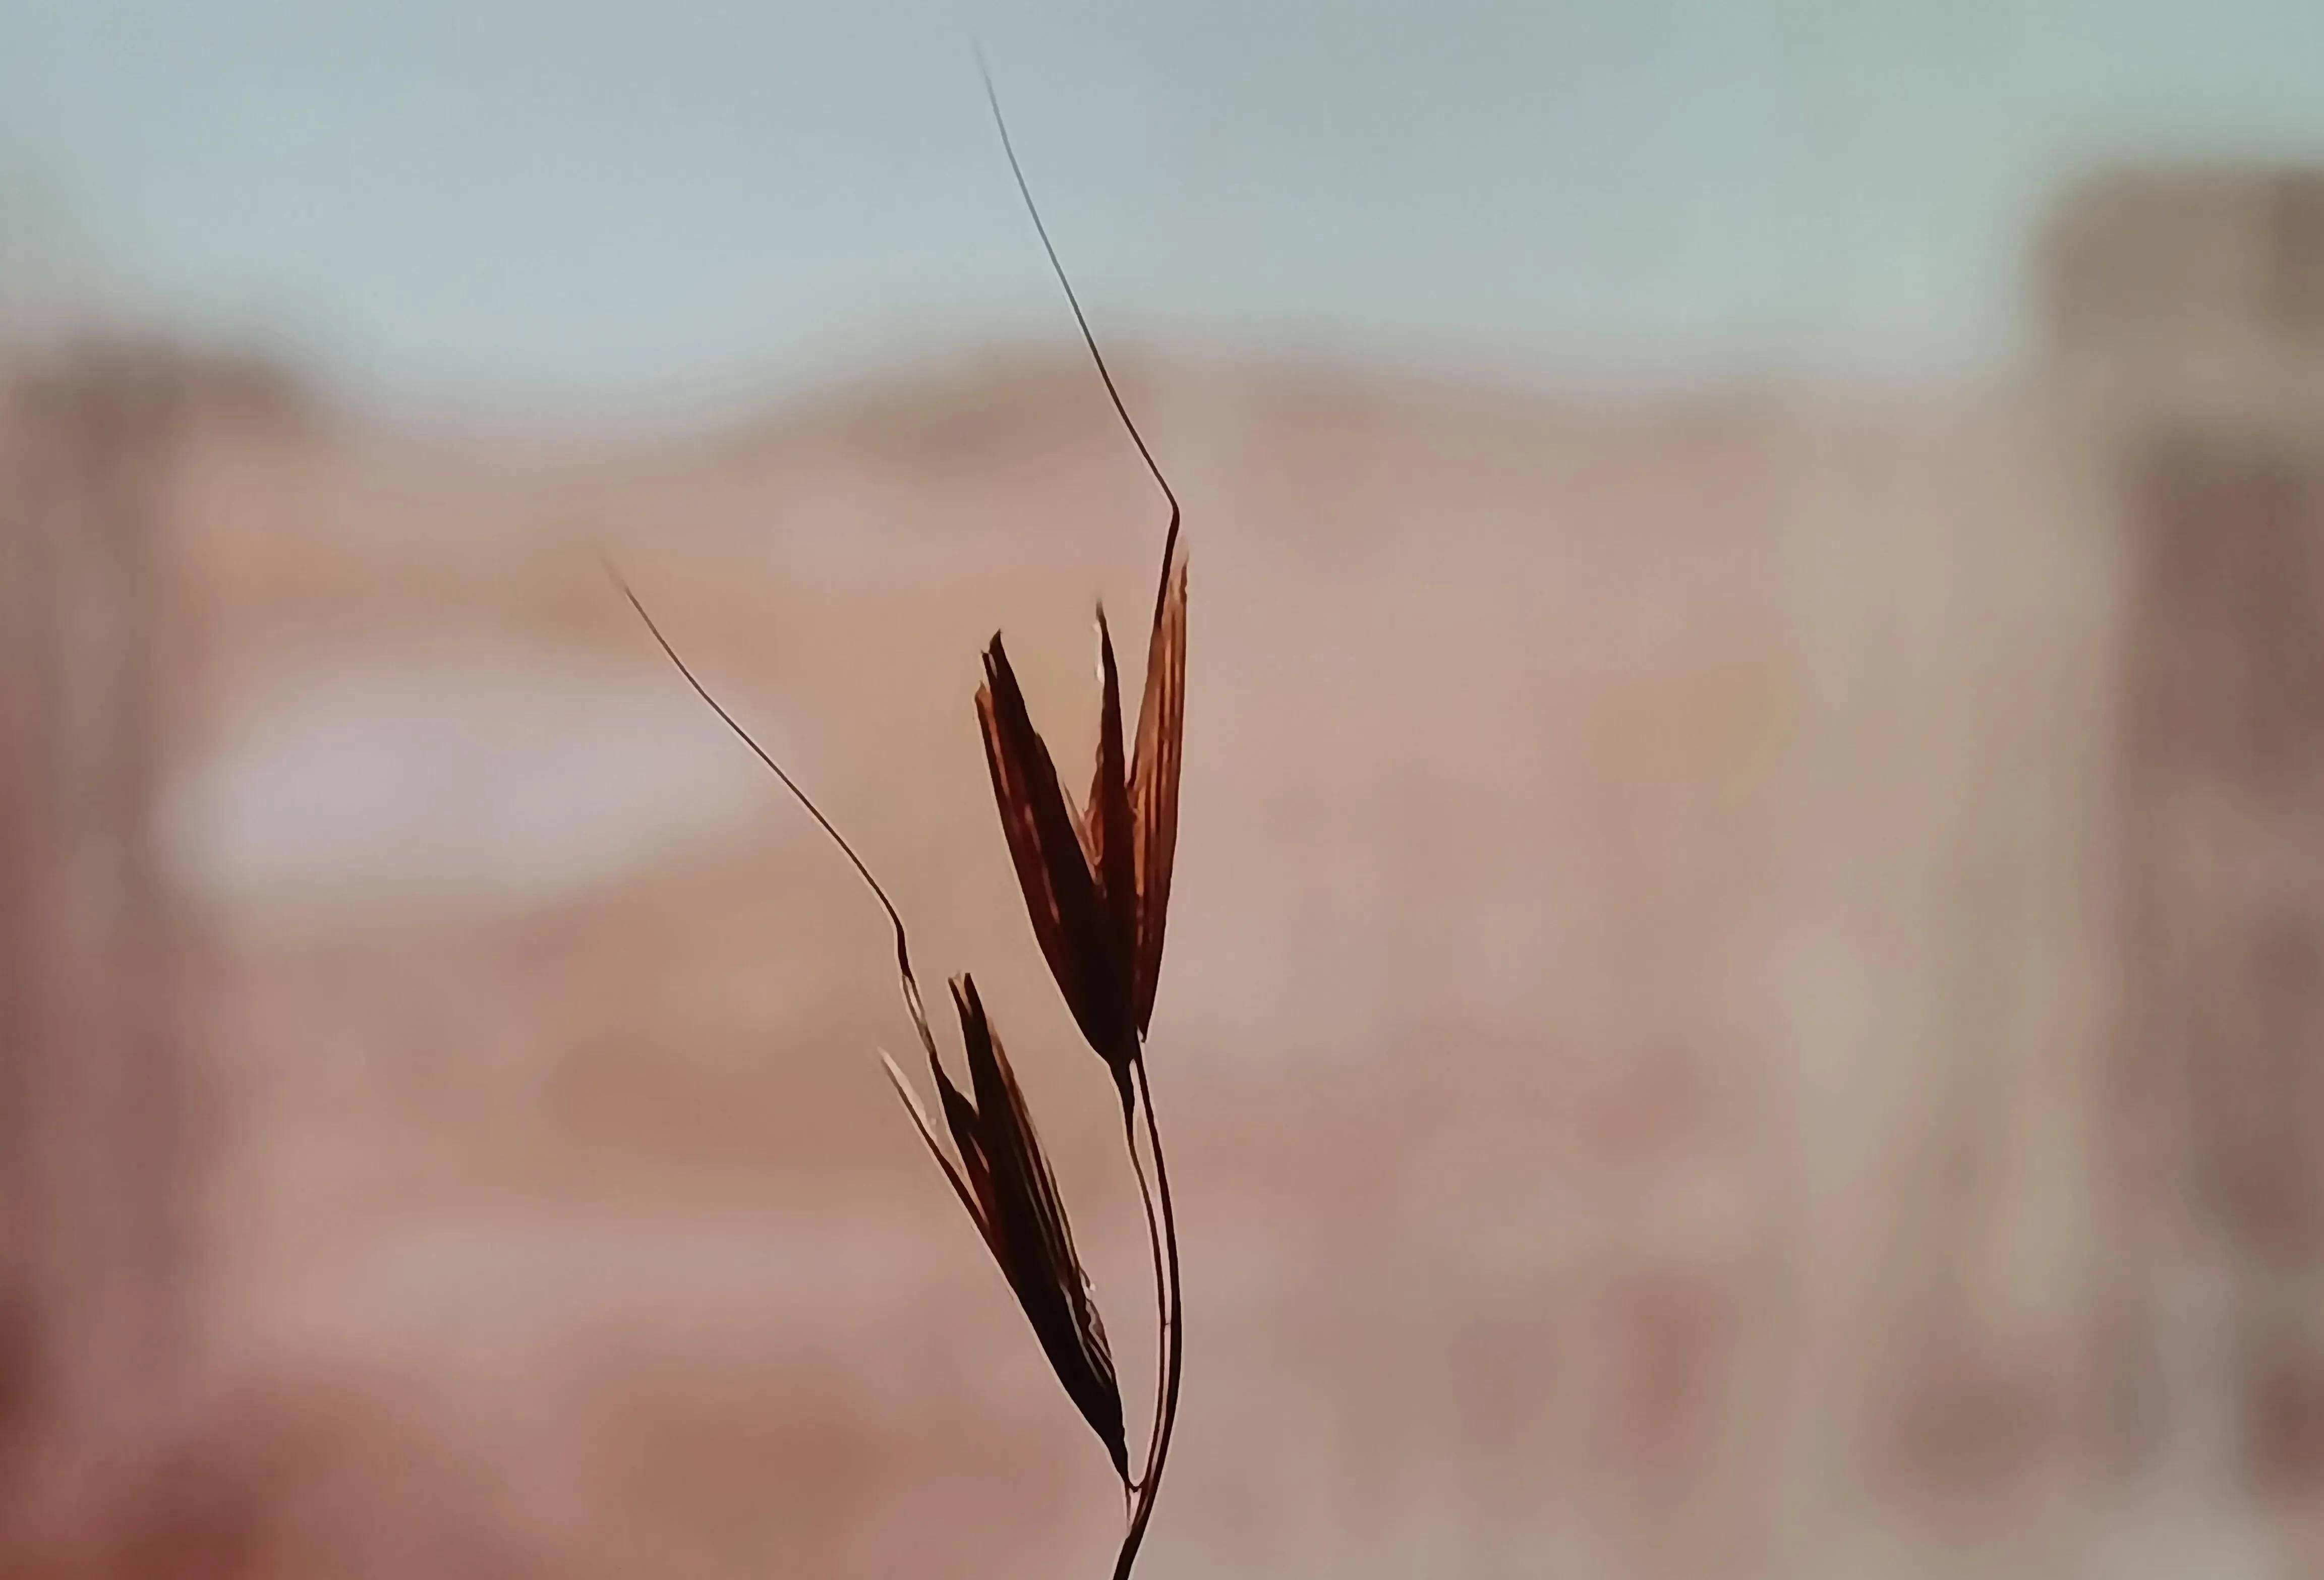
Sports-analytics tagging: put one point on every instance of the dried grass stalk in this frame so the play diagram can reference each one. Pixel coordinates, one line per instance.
(1096, 883)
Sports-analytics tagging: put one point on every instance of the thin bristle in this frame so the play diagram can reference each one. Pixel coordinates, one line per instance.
(908, 983)
(747, 739)
(1089, 338)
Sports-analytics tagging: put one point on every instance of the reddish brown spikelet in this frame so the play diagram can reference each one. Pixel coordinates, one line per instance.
(1063, 895)
(1108, 826)
(1003, 1180)
(1097, 883)
(1154, 786)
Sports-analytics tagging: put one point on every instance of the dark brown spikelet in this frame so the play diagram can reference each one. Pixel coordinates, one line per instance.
(1154, 784)
(1063, 895)
(1097, 884)
(1108, 828)
(1004, 1182)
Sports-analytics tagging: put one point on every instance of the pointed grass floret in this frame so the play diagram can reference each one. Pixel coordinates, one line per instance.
(1003, 1180)
(1087, 952)
(1154, 781)
(1096, 880)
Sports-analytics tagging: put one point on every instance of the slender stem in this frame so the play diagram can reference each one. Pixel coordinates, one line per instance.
(1163, 1314)
(1173, 1348)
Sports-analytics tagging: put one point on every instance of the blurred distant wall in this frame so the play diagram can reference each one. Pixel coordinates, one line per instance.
(93, 1190)
(2187, 316)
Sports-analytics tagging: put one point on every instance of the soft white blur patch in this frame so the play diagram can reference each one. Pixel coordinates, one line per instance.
(505, 771)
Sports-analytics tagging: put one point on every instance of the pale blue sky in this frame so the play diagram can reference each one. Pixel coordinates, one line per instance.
(685, 205)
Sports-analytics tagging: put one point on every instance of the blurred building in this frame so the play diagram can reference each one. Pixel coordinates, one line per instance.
(1868, 856)
(2187, 316)
(94, 1193)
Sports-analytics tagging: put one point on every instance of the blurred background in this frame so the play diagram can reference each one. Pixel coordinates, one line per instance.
(1747, 977)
